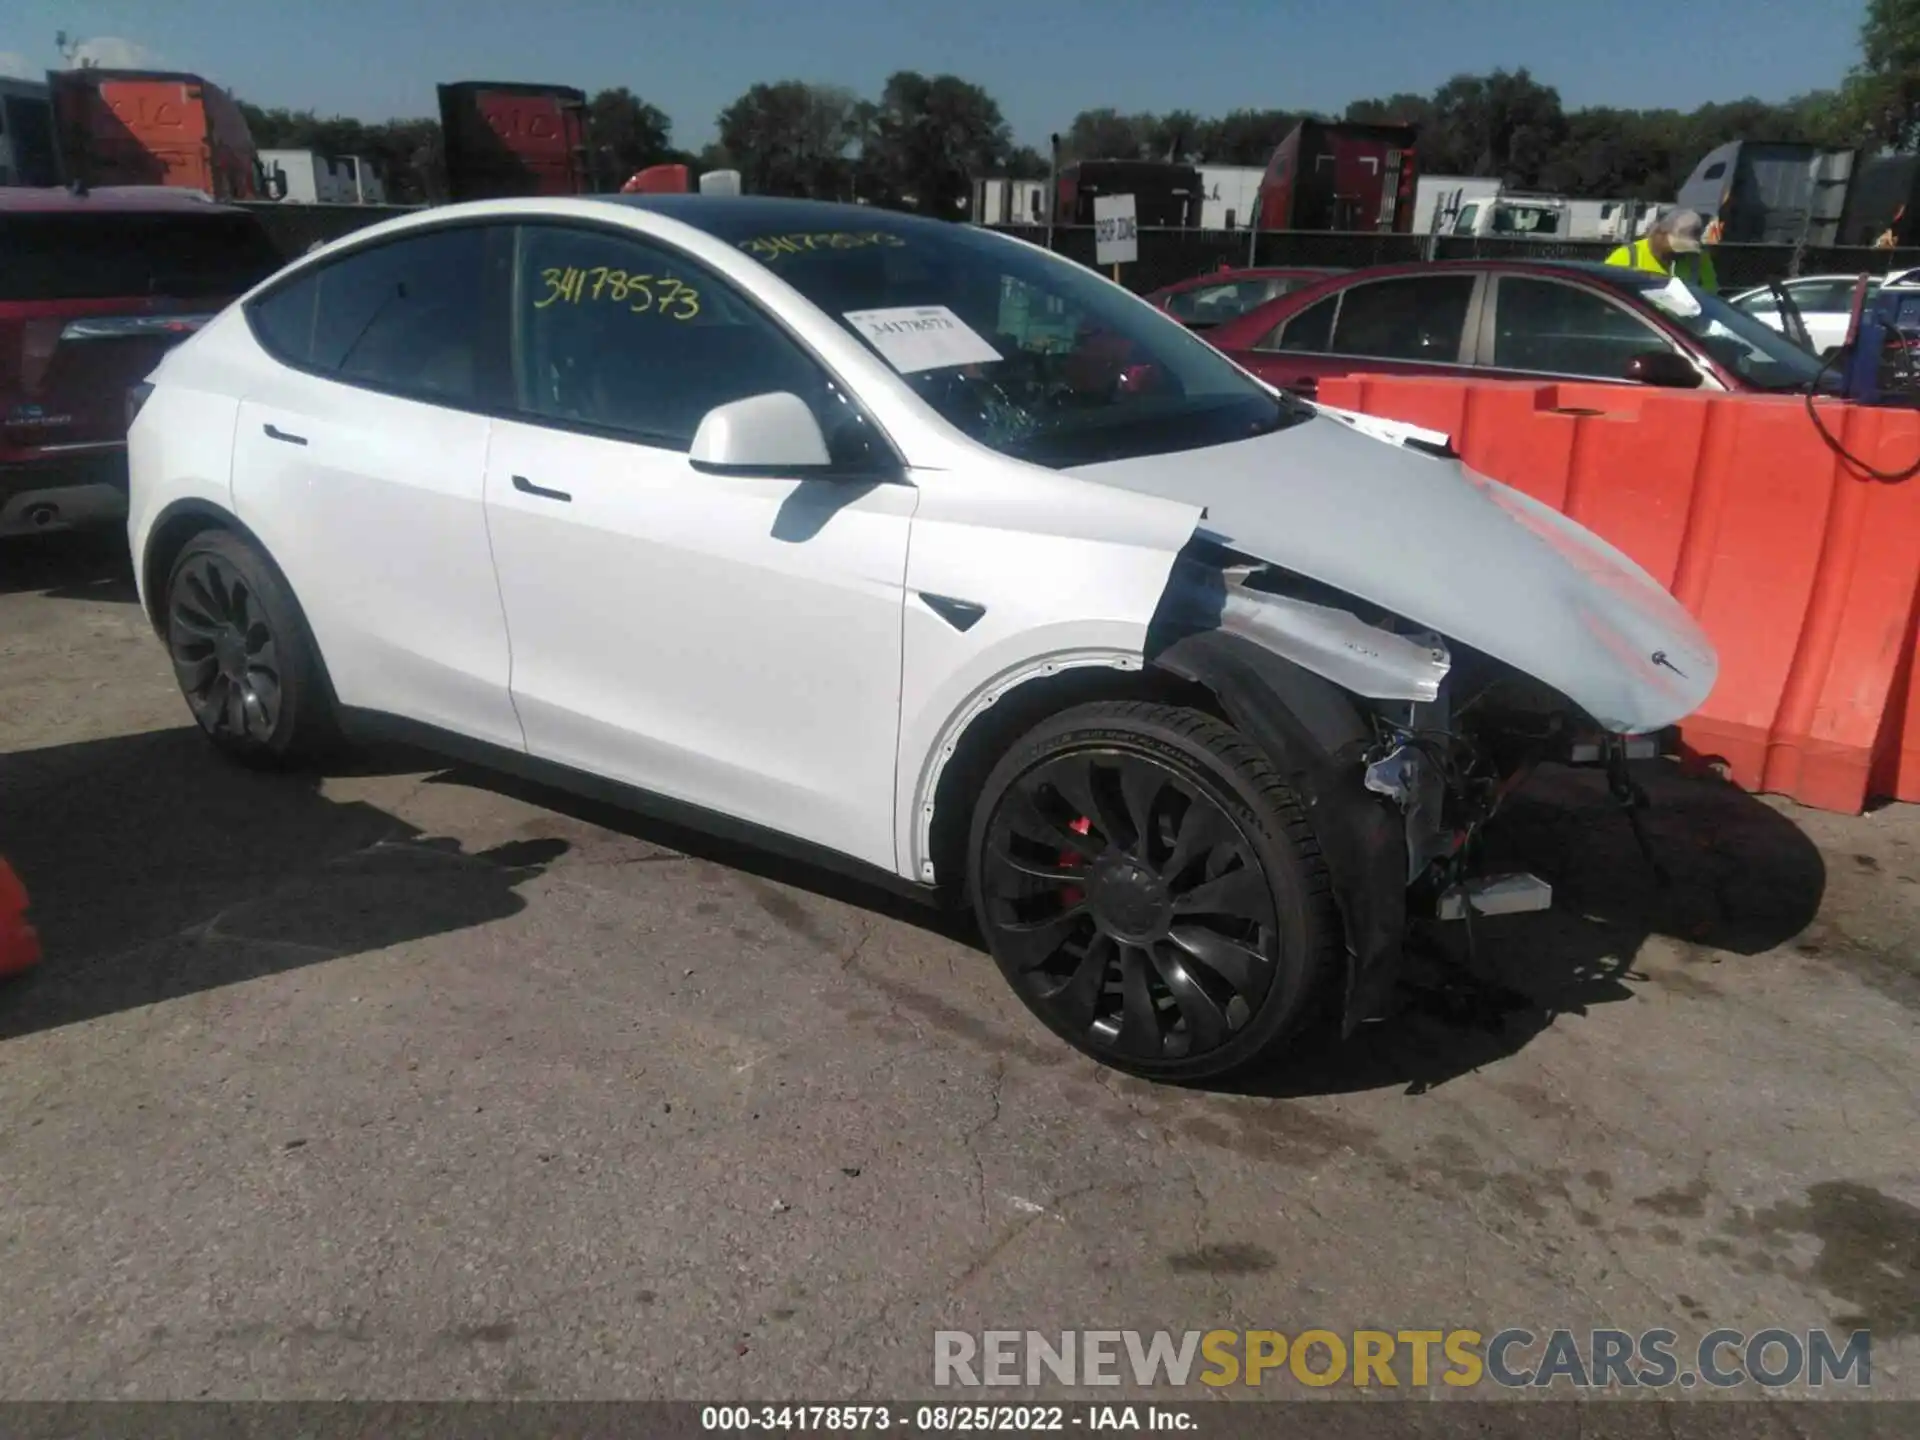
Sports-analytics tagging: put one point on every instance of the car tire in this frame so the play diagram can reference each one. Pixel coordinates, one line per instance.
(1151, 888)
(242, 654)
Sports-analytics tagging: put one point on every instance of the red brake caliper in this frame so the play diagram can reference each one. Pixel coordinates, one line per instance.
(1071, 895)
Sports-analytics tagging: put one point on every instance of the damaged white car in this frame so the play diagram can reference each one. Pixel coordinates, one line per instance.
(905, 542)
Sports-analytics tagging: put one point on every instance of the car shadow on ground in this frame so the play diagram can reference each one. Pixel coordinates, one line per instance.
(157, 868)
(69, 565)
(1740, 878)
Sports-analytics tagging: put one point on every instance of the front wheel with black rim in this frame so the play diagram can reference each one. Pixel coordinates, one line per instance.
(241, 652)
(1152, 890)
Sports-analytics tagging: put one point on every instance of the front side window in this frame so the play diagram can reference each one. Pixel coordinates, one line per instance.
(1545, 326)
(1029, 354)
(614, 333)
(407, 316)
(1750, 348)
(1417, 318)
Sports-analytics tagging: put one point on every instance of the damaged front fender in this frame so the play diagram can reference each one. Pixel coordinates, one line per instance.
(1313, 731)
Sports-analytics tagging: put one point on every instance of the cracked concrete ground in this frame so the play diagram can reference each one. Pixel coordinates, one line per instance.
(410, 1083)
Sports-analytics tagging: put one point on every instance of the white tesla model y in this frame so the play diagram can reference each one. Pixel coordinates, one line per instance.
(902, 541)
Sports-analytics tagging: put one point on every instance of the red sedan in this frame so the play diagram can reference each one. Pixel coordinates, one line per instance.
(1221, 295)
(1512, 320)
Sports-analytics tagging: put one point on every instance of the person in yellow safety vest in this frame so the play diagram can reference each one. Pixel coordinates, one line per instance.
(1672, 246)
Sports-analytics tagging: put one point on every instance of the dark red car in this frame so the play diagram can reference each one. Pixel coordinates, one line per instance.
(94, 288)
(1222, 295)
(1513, 320)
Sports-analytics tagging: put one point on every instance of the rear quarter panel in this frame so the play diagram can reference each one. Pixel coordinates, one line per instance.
(180, 447)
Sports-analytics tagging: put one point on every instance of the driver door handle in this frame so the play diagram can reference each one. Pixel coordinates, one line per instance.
(527, 487)
(274, 432)
(1304, 385)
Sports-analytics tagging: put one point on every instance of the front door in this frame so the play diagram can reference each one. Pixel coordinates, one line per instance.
(730, 642)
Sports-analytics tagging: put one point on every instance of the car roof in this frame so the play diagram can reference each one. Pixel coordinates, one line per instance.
(120, 199)
(734, 218)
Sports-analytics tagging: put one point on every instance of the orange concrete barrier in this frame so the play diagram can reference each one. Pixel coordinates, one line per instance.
(1803, 569)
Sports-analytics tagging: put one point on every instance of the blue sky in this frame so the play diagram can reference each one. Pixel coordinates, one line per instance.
(1043, 60)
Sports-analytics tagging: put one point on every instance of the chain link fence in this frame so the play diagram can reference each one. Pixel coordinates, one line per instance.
(1167, 255)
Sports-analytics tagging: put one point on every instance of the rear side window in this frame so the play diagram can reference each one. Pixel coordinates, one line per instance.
(409, 317)
(1309, 332)
(121, 255)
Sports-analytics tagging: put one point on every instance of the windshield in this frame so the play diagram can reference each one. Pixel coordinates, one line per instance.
(1030, 354)
(1750, 348)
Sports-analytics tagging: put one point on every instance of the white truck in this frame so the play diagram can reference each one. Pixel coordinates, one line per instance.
(305, 177)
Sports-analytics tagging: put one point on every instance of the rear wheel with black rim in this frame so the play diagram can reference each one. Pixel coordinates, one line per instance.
(1151, 888)
(241, 652)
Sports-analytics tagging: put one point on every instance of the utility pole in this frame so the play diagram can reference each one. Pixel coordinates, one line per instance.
(69, 49)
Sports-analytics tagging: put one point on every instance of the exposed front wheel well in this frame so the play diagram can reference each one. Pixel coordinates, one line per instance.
(998, 728)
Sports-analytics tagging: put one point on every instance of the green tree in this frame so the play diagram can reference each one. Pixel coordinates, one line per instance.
(628, 135)
(1244, 137)
(1883, 91)
(792, 138)
(928, 137)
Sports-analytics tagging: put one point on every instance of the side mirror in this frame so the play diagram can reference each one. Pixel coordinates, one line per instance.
(773, 434)
(1663, 368)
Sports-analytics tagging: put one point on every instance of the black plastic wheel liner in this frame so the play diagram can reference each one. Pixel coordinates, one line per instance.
(1314, 733)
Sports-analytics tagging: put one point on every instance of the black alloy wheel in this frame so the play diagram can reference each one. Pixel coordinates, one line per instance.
(242, 653)
(224, 653)
(1139, 906)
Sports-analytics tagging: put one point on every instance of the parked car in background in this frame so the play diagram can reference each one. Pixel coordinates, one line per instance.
(94, 289)
(1220, 296)
(1517, 320)
(903, 542)
(1825, 303)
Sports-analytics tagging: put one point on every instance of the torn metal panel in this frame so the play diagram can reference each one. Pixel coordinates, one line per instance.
(1408, 776)
(1336, 644)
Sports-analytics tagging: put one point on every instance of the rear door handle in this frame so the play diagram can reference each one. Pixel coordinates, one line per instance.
(1305, 385)
(527, 487)
(274, 432)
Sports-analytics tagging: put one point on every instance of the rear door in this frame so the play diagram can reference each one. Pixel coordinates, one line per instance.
(89, 302)
(358, 459)
(1403, 324)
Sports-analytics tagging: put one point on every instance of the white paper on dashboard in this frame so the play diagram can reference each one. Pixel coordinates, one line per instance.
(922, 337)
(1676, 299)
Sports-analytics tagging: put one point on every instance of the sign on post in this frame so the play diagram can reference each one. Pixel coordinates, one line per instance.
(1116, 236)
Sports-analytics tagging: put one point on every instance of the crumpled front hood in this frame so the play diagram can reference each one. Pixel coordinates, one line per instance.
(1447, 548)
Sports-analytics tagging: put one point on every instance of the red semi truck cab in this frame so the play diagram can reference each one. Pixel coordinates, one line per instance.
(505, 139)
(1341, 177)
(152, 127)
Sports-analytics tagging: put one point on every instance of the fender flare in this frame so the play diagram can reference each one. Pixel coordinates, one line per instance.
(193, 507)
(983, 698)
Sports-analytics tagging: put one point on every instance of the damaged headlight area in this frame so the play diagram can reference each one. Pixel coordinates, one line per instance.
(1444, 732)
